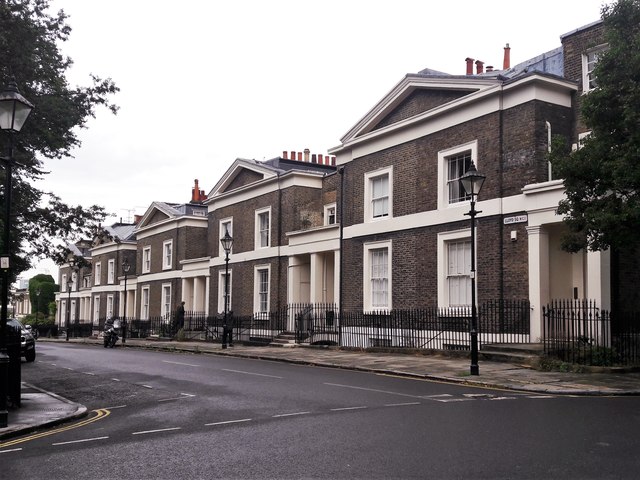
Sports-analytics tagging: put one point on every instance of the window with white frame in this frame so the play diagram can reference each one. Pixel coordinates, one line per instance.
(222, 284)
(98, 273)
(144, 303)
(453, 163)
(589, 62)
(330, 214)
(111, 269)
(261, 301)
(72, 316)
(263, 228)
(377, 276)
(166, 299)
(63, 312)
(96, 309)
(454, 268)
(378, 194)
(226, 225)
(109, 306)
(167, 254)
(146, 259)
(64, 282)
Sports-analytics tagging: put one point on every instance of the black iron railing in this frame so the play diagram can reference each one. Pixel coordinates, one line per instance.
(578, 331)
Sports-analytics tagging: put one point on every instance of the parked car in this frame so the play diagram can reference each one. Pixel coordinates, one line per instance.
(27, 342)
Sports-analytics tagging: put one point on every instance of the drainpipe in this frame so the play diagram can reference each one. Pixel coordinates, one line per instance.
(548, 126)
(341, 287)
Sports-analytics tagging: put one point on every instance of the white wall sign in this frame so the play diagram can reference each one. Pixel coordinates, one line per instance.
(516, 219)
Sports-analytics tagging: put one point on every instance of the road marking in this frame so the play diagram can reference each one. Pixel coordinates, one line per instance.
(502, 398)
(117, 406)
(157, 431)
(347, 408)
(372, 390)
(250, 373)
(68, 368)
(402, 404)
(145, 386)
(12, 450)
(80, 441)
(182, 397)
(540, 396)
(100, 414)
(181, 363)
(228, 422)
(89, 373)
(291, 414)
(115, 379)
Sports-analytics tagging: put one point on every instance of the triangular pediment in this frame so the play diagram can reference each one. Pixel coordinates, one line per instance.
(243, 172)
(156, 213)
(414, 96)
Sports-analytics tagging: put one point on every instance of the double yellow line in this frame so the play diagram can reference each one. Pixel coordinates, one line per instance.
(99, 414)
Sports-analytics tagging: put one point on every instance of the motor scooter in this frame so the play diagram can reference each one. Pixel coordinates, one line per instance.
(110, 333)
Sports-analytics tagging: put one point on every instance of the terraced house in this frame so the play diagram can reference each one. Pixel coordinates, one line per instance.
(381, 224)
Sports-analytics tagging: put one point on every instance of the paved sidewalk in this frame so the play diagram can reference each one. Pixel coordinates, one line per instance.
(41, 409)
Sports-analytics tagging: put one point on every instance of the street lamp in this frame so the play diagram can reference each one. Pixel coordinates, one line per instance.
(69, 286)
(227, 242)
(14, 110)
(37, 292)
(472, 182)
(126, 266)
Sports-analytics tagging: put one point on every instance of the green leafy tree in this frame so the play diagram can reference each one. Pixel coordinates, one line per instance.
(29, 52)
(602, 178)
(42, 291)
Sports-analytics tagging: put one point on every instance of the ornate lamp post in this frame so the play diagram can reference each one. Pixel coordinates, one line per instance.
(472, 182)
(14, 110)
(126, 266)
(227, 242)
(37, 292)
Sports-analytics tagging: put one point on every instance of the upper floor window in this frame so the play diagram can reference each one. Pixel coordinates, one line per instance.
(64, 282)
(377, 276)
(453, 163)
(98, 273)
(226, 225)
(146, 260)
(589, 62)
(378, 193)
(330, 214)
(167, 254)
(263, 227)
(111, 271)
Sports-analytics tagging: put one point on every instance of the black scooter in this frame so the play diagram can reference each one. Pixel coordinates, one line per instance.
(110, 333)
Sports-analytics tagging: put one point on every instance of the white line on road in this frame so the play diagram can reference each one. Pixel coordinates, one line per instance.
(156, 431)
(113, 408)
(228, 422)
(181, 363)
(80, 441)
(347, 408)
(372, 390)
(291, 414)
(115, 379)
(68, 368)
(145, 386)
(89, 373)
(540, 396)
(12, 450)
(250, 373)
(184, 396)
(402, 404)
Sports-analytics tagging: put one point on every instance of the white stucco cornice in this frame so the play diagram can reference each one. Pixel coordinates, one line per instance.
(172, 224)
(238, 165)
(493, 97)
(292, 178)
(113, 247)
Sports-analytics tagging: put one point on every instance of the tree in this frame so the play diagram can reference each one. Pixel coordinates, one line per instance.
(602, 178)
(42, 291)
(29, 41)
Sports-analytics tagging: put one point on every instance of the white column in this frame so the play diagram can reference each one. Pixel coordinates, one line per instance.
(315, 287)
(599, 278)
(538, 278)
(336, 276)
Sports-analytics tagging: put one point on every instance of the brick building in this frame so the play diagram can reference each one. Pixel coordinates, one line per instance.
(382, 222)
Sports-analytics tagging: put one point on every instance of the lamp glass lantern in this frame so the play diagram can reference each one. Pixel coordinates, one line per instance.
(472, 181)
(14, 108)
(227, 242)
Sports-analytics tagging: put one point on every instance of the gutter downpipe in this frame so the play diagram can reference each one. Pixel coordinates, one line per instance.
(341, 247)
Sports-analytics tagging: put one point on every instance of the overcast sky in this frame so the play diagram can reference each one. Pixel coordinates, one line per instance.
(204, 82)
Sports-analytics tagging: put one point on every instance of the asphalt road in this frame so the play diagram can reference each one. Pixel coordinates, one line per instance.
(183, 416)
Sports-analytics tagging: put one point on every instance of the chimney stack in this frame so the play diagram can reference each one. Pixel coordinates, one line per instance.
(284, 154)
(469, 65)
(507, 58)
(306, 154)
(479, 67)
